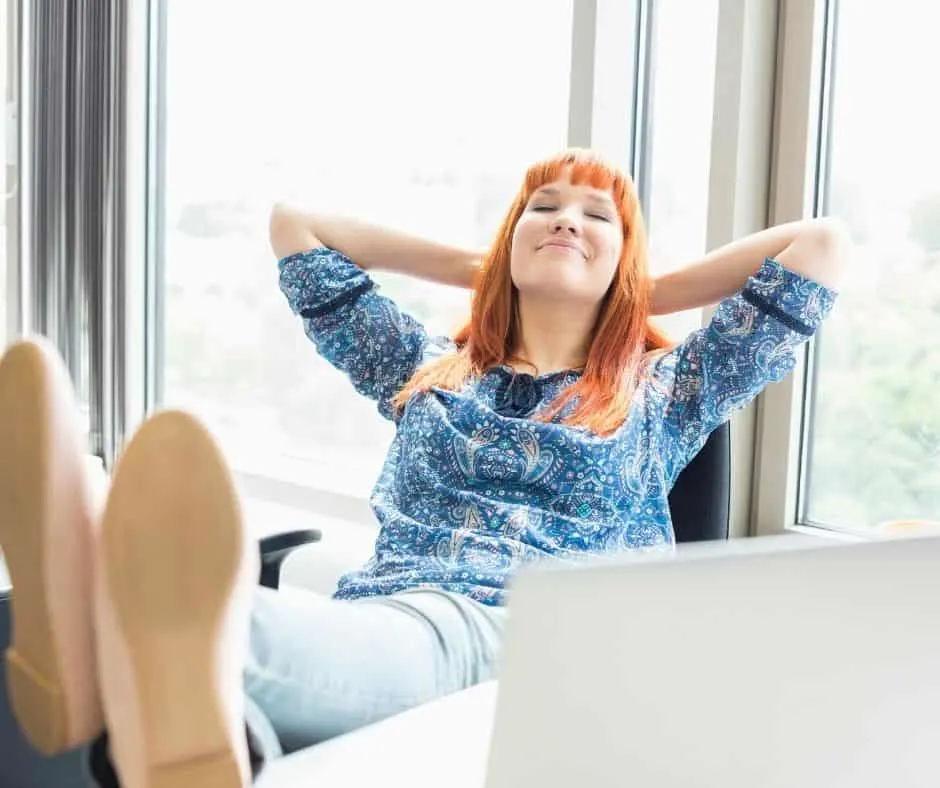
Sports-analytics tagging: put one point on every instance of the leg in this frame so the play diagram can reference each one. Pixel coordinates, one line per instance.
(320, 667)
(173, 593)
(47, 530)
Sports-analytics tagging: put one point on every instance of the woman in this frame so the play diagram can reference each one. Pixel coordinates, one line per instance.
(553, 425)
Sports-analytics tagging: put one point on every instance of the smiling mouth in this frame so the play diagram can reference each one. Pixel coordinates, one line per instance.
(568, 247)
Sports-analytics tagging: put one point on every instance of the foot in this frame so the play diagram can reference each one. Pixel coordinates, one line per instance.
(47, 532)
(177, 575)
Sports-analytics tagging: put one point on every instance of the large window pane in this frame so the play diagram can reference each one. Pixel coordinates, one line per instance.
(418, 114)
(680, 143)
(874, 438)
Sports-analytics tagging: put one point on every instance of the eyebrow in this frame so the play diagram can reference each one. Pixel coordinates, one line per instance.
(552, 191)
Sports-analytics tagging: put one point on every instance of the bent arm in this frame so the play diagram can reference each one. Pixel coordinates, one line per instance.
(750, 342)
(814, 248)
(372, 247)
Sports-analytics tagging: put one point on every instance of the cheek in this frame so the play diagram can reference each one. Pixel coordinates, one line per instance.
(514, 242)
(607, 247)
(524, 237)
(516, 254)
(523, 231)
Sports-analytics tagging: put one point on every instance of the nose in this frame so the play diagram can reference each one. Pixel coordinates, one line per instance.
(566, 221)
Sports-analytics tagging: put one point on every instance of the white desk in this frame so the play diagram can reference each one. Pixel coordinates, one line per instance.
(443, 743)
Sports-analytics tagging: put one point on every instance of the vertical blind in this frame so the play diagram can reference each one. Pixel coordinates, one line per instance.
(74, 241)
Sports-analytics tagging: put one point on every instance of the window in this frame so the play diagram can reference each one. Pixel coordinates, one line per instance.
(354, 107)
(683, 85)
(5, 176)
(873, 443)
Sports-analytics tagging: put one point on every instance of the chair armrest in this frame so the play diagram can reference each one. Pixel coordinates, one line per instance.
(274, 549)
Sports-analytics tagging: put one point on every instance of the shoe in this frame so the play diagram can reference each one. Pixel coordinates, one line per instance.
(173, 600)
(48, 529)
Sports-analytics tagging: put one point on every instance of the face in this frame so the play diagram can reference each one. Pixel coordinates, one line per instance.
(567, 243)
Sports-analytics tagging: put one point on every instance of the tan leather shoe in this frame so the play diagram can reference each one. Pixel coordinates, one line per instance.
(173, 598)
(47, 531)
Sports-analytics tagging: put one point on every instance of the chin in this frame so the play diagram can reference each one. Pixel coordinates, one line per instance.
(552, 287)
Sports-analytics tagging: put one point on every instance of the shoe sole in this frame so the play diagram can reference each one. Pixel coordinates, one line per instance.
(174, 556)
(47, 533)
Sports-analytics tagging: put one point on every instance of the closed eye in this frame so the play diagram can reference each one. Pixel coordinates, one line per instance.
(599, 216)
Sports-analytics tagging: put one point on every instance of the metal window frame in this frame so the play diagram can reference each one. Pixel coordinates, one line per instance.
(800, 137)
(776, 51)
(740, 181)
(155, 265)
(134, 146)
(830, 25)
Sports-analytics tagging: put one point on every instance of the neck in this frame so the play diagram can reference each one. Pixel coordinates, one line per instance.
(553, 336)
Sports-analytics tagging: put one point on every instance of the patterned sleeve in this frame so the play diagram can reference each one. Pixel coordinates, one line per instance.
(750, 342)
(360, 332)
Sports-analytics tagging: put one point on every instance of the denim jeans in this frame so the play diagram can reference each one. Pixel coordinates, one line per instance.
(319, 667)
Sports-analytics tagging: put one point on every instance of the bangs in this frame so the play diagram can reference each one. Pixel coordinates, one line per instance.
(586, 168)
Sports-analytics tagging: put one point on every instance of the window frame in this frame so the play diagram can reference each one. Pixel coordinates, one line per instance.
(802, 114)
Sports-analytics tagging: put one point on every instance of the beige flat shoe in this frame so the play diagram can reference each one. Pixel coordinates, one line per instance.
(176, 581)
(47, 532)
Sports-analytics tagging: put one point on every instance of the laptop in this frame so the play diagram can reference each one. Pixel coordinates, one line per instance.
(773, 662)
(756, 663)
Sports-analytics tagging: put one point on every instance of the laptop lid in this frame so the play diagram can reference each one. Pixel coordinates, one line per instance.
(775, 662)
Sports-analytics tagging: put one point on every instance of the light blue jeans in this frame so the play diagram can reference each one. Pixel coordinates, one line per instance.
(319, 667)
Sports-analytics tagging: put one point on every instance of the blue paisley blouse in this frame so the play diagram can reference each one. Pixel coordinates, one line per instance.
(472, 488)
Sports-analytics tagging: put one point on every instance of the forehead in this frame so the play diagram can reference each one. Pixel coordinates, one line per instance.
(564, 187)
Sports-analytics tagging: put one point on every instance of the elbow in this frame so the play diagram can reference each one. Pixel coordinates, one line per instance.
(277, 226)
(829, 246)
(289, 232)
(278, 211)
(833, 234)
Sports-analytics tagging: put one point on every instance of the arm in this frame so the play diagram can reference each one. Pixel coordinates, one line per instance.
(372, 247)
(356, 329)
(820, 256)
(751, 341)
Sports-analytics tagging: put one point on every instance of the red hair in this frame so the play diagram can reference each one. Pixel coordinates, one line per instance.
(623, 336)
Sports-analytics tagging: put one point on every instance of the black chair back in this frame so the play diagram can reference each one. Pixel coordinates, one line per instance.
(700, 501)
